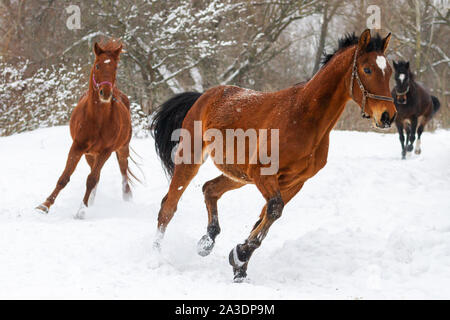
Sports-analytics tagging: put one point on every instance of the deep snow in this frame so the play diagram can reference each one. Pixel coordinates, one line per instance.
(369, 225)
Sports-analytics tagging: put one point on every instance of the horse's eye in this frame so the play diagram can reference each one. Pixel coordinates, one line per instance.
(367, 70)
(97, 66)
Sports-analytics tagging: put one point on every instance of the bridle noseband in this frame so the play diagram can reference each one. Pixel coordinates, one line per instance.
(97, 85)
(402, 93)
(365, 94)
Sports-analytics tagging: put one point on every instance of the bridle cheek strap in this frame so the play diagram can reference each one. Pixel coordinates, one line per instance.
(365, 94)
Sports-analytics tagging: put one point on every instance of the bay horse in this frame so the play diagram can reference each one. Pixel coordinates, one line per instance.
(415, 106)
(304, 116)
(99, 125)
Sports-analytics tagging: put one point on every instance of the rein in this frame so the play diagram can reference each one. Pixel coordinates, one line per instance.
(365, 94)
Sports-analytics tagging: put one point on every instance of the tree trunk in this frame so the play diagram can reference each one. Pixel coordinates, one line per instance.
(418, 38)
(323, 35)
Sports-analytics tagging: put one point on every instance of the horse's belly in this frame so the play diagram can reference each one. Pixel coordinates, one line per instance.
(234, 172)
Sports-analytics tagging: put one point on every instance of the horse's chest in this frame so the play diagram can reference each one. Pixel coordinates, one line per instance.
(101, 137)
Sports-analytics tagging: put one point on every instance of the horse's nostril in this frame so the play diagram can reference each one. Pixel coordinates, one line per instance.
(385, 118)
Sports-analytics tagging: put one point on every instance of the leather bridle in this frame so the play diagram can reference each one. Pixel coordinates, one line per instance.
(97, 85)
(402, 93)
(365, 94)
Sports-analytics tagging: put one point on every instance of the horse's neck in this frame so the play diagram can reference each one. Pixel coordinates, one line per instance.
(325, 95)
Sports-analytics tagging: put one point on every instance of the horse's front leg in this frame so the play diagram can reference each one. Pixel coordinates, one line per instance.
(276, 200)
(402, 138)
(92, 182)
(74, 156)
(412, 136)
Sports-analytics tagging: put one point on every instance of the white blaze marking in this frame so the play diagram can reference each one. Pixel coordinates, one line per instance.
(401, 77)
(107, 61)
(381, 63)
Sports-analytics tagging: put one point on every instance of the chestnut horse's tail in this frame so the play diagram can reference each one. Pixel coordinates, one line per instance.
(436, 104)
(130, 174)
(169, 117)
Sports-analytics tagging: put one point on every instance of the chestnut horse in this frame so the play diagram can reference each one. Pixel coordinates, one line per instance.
(304, 116)
(415, 106)
(100, 124)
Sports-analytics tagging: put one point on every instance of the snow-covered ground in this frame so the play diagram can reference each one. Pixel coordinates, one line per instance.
(369, 225)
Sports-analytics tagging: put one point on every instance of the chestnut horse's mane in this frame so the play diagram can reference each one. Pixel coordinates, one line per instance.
(110, 44)
(375, 44)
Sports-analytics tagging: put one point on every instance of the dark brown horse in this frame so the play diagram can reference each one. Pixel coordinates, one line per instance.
(304, 115)
(415, 106)
(100, 124)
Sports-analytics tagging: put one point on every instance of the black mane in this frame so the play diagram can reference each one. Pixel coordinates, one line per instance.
(350, 39)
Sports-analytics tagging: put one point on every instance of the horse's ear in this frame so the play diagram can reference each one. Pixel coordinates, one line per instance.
(97, 50)
(395, 64)
(118, 50)
(407, 65)
(364, 40)
(386, 42)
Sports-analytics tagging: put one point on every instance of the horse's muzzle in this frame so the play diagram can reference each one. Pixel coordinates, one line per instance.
(401, 99)
(386, 121)
(105, 95)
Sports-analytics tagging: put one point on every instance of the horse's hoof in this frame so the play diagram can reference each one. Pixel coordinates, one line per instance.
(234, 259)
(410, 148)
(42, 209)
(240, 278)
(240, 274)
(81, 213)
(205, 245)
(239, 267)
(417, 151)
(127, 196)
(155, 258)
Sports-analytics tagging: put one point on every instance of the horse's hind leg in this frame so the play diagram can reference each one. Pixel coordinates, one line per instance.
(92, 181)
(182, 176)
(213, 190)
(122, 157)
(422, 123)
(74, 156)
(276, 200)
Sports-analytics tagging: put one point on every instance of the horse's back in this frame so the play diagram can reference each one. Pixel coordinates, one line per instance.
(419, 104)
(227, 106)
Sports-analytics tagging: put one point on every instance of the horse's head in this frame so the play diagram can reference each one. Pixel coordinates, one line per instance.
(105, 66)
(402, 77)
(370, 80)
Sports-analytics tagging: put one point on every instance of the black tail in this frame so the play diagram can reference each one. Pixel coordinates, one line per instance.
(167, 118)
(436, 104)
